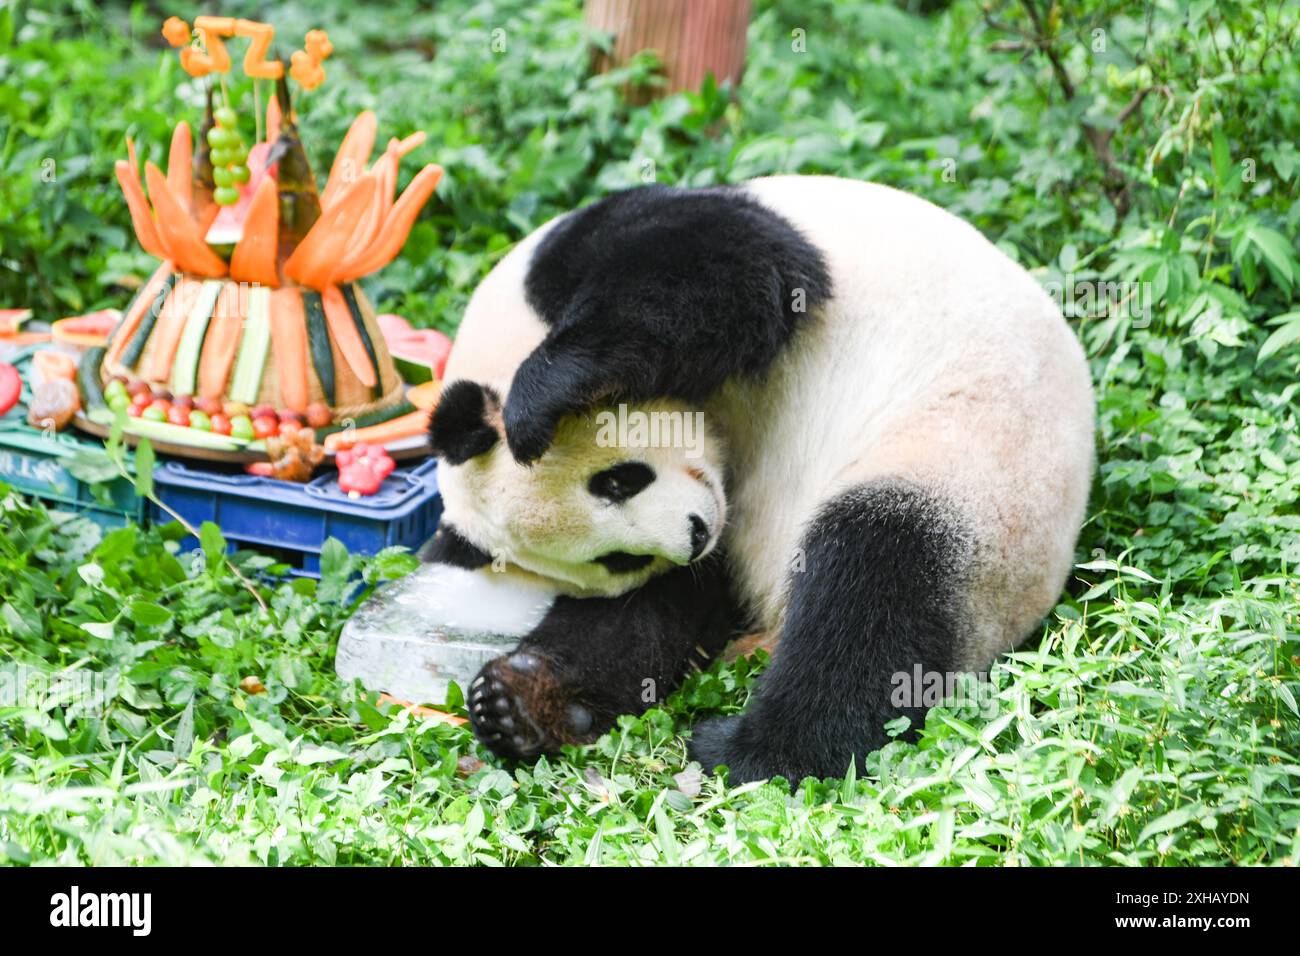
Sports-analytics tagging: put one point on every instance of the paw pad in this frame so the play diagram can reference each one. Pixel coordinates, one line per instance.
(519, 708)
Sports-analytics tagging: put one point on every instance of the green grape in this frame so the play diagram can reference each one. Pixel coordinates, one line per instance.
(225, 116)
(221, 176)
(238, 155)
(225, 195)
(221, 138)
(221, 157)
(239, 175)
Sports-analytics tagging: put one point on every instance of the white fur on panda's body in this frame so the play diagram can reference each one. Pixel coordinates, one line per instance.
(936, 360)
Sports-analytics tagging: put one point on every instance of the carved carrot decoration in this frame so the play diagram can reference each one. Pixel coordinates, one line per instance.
(316, 256)
(254, 257)
(166, 335)
(146, 230)
(143, 302)
(350, 161)
(344, 333)
(289, 346)
(179, 161)
(222, 342)
(397, 224)
(187, 249)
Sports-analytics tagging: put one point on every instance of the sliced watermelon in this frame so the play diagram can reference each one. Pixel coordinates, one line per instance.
(86, 331)
(11, 320)
(420, 354)
(393, 326)
(11, 387)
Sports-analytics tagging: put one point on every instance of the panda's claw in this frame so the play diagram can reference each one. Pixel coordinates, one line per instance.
(519, 708)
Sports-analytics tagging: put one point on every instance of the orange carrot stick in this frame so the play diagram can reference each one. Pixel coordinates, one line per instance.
(403, 426)
(345, 335)
(146, 230)
(125, 330)
(188, 250)
(319, 253)
(420, 711)
(289, 346)
(350, 161)
(221, 344)
(167, 330)
(397, 225)
(255, 254)
(180, 175)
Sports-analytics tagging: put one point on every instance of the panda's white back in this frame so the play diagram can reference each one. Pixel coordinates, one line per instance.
(938, 360)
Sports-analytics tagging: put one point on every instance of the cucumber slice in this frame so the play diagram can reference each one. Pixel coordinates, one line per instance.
(350, 296)
(92, 393)
(185, 367)
(131, 354)
(256, 342)
(318, 341)
(371, 418)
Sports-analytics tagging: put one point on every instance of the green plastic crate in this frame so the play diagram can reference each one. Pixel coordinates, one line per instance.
(35, 464)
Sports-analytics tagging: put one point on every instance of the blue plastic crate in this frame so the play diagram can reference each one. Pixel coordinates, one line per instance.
(292, 521)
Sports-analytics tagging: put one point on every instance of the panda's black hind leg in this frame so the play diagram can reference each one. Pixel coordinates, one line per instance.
(877, 596)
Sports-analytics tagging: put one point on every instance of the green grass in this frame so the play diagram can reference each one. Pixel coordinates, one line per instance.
(1154, 722)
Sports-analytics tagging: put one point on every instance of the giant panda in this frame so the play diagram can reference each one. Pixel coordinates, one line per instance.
(891, 470)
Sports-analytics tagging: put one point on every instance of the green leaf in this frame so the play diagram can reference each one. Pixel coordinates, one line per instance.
(1224, 172)
(144, 460)
(183, 738)
(147, 613)
(268, 734)
(311, 754)
(1288, 334)
(99, 629)
(1167, 822)
(213, 543)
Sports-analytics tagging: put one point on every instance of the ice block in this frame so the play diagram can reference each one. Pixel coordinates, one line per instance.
(436, 625)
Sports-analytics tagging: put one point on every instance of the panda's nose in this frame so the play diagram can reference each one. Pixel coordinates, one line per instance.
(699, 536)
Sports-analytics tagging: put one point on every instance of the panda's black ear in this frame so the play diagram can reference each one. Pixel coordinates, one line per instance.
(466, 422)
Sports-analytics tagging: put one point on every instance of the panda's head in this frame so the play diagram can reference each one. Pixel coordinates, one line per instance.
(619, 495)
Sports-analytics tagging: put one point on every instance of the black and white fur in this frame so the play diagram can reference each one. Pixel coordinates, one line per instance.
(899, 450)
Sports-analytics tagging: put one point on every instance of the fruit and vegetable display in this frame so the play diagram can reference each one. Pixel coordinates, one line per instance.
(253, 325)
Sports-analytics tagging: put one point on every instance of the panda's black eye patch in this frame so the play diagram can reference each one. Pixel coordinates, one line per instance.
(621, 482)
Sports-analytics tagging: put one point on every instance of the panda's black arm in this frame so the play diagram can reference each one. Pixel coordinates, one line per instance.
(658, 293)
(592, 659)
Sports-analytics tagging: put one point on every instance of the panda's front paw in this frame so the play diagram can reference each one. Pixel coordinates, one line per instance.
(725, 740)
(520, 707)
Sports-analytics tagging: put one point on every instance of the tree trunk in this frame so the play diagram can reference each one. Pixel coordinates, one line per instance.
(692, 37)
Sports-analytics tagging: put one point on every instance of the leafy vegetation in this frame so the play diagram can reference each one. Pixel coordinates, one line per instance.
(1140, 159)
